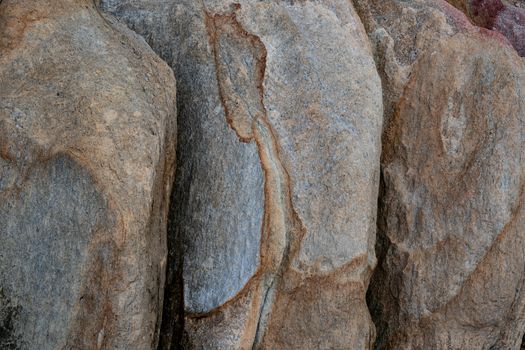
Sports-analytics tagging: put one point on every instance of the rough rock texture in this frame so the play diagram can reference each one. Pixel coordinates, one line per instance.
(453, 209)
(279, 123)
(296, 118)
(401, 31)
(450, 225)
(218, 195)
(517, 3)
(87, 151)
(497, 15)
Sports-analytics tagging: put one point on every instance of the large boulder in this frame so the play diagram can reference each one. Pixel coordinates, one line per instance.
(452, 216)
(280, 118)
(87, 151)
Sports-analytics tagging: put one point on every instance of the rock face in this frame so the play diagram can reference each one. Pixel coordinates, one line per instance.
(87, 151)
(453, 208)
(295, 120)
(280, 117)
(451, 218)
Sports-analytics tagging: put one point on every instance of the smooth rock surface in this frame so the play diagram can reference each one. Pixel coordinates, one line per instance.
(87, 153)
(284, 92)
(450, 224)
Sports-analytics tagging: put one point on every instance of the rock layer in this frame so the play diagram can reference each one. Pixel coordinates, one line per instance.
(87, 152)
(294, 82)
(450, 225)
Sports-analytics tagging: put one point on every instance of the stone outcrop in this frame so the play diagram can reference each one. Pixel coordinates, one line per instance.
(87, 153)
(280, 118)
(350, 174)
(450, 225)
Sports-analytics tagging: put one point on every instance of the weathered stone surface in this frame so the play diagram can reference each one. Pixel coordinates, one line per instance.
(505, 17)
(219, 188)
(271, 231)
(87, 151)
(453, 209)
(450, 225)
(280, 112)
(400, 31)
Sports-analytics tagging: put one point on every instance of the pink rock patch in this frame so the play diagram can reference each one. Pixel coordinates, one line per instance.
(511, 23)
(507, 20)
